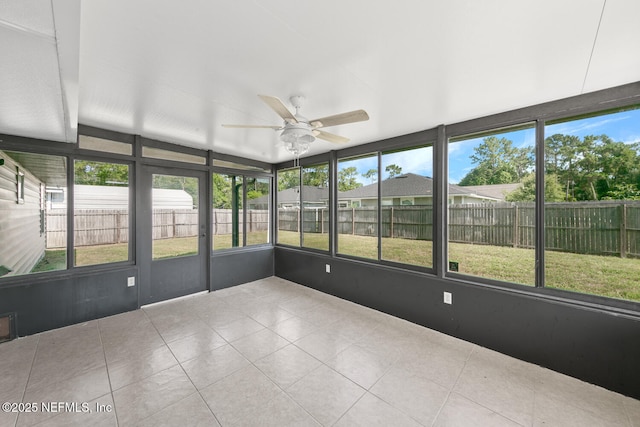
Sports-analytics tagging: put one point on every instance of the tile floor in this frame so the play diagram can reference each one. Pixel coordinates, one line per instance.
(274, 353)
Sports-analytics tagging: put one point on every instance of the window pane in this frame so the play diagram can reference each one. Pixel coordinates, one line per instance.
(101, 212)
(159, 153)
(175, 216)
(33, 213)
(105, 145)
(288, 200)
(234, 165)
(257, 211)
(592, 205)
(227, 211)
(407, 206)
(315, 206)
(358, 207)
(491, 198)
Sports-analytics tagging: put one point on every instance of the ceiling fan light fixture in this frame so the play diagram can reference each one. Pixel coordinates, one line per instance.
(297, 132)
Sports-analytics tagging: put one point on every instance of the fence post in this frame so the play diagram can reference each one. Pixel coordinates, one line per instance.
(623, 231)
(391, 223)
(516, 225)
(321, 221)
(353, 220)
(118, 220)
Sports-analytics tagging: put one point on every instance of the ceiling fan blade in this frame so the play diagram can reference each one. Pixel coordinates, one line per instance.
(340, 119)
(330, 137)
(253, 126)
(280, 109)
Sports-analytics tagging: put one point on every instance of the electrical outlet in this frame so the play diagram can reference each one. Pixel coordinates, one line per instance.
(131, 281)
(448, 298)
(327, 268)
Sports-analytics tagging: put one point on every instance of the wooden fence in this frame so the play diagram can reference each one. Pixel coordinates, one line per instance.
(602, 228)
(108, 226)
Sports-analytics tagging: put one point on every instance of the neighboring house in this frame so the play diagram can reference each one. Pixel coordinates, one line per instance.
(410, 189)
(314, 198)
(499, 191)
(22, 204)
(111, 197)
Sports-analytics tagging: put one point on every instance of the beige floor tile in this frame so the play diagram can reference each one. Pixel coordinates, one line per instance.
(371, 411)
(551, 412)
(274, 353)
(244, 390)
(294, 328)
(360, 365)
(417, 397)
(322, 345)
(139, 365)
(632, 408)
(238, 328)
(144, 398)
(287, 365)
(214, 365)
(82, 388)
(459, 411)
(498, 389)
(100, 412)
(191, 346)
(598, 402)
(325, 394)
(259, 344)
(191, 411)
(278, 412)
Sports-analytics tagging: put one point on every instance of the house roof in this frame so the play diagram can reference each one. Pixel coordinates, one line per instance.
(408, 185)
(292, 195)
(498, 191)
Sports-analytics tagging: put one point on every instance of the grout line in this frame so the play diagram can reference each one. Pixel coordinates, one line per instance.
(593, 47)
(106, 366)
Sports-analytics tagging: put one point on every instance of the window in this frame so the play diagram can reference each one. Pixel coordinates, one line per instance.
(227, 211)
(104, 145)
(358, 224)
(592, 205)
(492, 205)
(233, 165)
(288, 200)
(175, 205)
(176, 156)
(101, 212)
(34, 231)
(19, 186)
(407, 206)
(234, 225)
(257, 224)
(315, 206)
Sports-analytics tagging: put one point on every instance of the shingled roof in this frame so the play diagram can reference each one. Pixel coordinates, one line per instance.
(409, 184)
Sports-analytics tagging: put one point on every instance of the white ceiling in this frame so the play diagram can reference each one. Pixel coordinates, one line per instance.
(175, 71)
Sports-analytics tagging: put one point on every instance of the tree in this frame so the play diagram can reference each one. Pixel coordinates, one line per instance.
(594, 167)
(316, 176)
(221, 191)
(393, 170)
(498, 162)
(553, 191)
(288, 179)
(347, 179)
(100, 173)
(371, 174)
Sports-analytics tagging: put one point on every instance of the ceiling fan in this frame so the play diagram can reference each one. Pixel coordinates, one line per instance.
(298, 131)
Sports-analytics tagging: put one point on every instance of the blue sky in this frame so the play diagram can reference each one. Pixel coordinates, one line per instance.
(623, 126)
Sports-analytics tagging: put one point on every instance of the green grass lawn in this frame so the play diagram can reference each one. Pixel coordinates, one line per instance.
(600, 275)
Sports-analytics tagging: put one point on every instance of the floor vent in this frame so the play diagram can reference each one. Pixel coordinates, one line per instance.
(7, 327)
